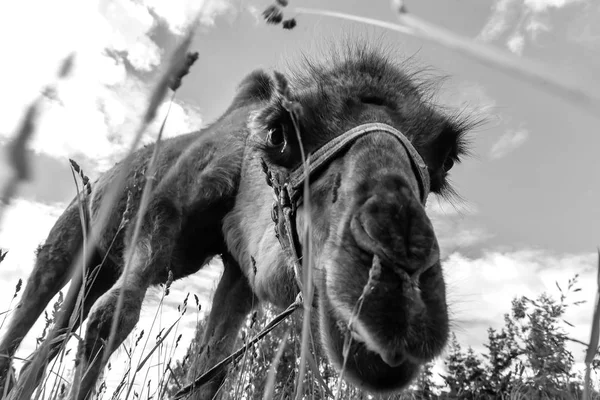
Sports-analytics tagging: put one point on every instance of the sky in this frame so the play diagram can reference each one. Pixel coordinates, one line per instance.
(529, 210)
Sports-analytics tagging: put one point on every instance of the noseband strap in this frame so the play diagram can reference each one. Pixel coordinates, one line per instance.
(288, 188)
(326, 153)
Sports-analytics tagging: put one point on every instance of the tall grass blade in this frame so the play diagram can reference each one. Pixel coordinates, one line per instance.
(527, 71)
(594, 339)
(272, 374)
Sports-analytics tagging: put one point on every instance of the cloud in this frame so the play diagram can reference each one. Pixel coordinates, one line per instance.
(95, 111)
(480, 289)
(20, 237)
(455, 225)
(508, 142)
(468, 96)
(177, 14)
(497, 24)
(584, 29)
(523, 20)
(516, 44)
(438, 206)
(127, 26)
(543, 5)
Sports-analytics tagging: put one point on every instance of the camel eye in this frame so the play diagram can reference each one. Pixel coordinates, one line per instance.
(448, 164)
(276, 138)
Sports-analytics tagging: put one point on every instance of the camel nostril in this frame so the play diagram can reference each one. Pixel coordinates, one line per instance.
(393, 358)
(396, 229)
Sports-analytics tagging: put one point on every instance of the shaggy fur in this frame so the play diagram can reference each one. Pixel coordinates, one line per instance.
(212, 200)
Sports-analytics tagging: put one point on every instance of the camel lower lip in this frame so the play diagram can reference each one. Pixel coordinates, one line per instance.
(364, 367)
(356, 337)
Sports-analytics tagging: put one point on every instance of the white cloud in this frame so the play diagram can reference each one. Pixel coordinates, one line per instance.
(97, 108)
(480, 290)
(508, 142)
(127, 26)
(178, 13)
(468, 96)
(255, 12)
(438, 206)
(516, 44)
(20, 237)
(538, 25)
(497, 24)
(543, 5)
(525, 19)
(454, 225)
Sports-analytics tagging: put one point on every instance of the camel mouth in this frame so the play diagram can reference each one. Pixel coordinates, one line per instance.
(399, 328)
(365, 368)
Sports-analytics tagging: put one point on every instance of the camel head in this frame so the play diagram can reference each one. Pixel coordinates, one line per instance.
(377, 275)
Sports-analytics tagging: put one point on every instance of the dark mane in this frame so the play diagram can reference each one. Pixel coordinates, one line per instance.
(335, 87)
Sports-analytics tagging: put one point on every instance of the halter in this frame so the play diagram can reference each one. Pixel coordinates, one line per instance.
(288, 188)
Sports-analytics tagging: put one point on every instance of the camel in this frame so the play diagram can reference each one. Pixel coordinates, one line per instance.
(377, 147)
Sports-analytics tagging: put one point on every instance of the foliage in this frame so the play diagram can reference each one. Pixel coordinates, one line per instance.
(527, 358)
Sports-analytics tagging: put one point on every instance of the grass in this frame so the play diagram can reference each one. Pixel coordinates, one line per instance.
(525, 70)
(167, 341)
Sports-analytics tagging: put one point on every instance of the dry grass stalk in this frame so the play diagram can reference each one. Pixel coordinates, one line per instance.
(84, 216)
(148, 185)
(374, 277)
(17, 290)
(241, 375)
(594, 338)
(178, 59)
(178, 62)
(527, 71)
(3, 255)
(294, 110)
(17, 149)
(271, 375)
(161, 336)
(314, 368)
(211, 373)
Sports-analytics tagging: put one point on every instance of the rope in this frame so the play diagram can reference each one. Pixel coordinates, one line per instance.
(220, 367)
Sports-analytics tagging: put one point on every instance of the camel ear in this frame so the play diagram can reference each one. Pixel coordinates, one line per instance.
(258, 86)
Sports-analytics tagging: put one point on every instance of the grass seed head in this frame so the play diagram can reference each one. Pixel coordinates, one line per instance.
(289, 23)
(183, 70)
(18, 287)
(273, 15)
(169, 282)
(66, 66)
